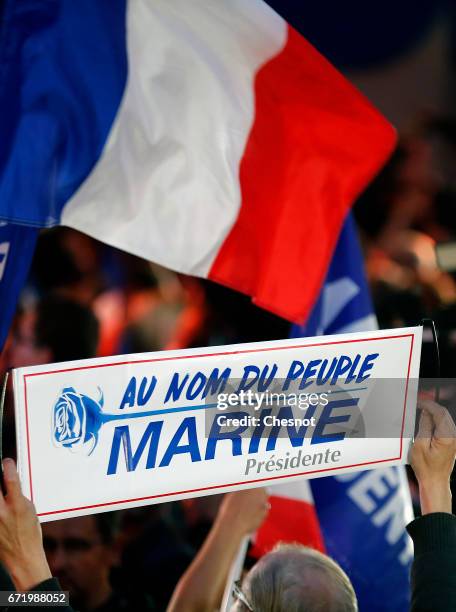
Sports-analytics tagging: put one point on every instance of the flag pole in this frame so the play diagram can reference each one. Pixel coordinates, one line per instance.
(234, 574)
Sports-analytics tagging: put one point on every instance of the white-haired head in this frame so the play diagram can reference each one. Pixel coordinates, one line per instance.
(294, 578)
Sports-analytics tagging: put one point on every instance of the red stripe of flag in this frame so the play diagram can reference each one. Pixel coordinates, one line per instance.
(315, 144)
(289, 520)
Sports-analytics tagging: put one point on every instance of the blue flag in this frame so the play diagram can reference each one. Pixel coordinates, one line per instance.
(363, 514)
(17, 243)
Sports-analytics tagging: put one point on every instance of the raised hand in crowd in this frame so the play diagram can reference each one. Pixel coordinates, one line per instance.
(433, 456)
(434, 534)
(21, 545)
(201, 587)
(23, 561)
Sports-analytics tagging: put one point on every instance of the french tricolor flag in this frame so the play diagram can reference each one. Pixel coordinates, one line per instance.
(204, 135)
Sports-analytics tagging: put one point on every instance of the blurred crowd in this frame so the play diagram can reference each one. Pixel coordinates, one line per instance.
(403, 217)
(85, 299)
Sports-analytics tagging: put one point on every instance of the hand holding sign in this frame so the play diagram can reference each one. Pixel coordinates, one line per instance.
(21, 548)
(433, 456)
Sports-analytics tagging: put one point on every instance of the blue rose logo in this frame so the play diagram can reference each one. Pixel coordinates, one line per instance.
(77, 419)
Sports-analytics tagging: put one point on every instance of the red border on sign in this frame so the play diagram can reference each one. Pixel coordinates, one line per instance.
(231, 484)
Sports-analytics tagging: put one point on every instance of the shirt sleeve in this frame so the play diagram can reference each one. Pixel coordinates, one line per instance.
(434, 565)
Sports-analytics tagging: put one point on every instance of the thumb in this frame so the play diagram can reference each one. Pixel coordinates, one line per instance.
(426, 425)
(11, 478)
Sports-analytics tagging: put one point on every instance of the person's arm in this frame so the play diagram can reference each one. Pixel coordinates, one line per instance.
(434, 533)
(201, 587)
(21, 545)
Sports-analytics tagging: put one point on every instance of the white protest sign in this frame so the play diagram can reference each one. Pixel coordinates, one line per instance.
(118, 432)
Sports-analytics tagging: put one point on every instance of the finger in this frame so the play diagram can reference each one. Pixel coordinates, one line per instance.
(258, 496)
(443, 423)
(445, 427)
(426, 395)
(2, 499)
(11, 478)
(436, 410)
(426, 425)
(263, 494)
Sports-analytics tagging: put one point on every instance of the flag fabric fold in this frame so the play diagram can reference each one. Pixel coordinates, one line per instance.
(209, 137)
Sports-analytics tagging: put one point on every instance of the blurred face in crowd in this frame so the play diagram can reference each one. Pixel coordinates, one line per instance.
(79, 559)
(23, 349)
